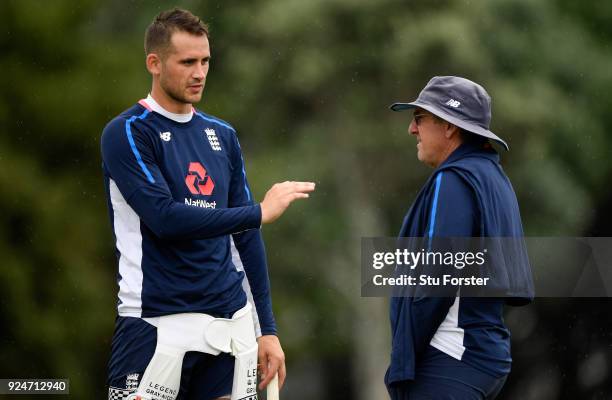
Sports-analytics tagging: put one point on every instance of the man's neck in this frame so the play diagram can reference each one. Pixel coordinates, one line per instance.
(452, 146)
(155, 106)
(168, 103)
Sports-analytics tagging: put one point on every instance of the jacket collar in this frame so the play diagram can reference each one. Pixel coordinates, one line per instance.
(470, 149)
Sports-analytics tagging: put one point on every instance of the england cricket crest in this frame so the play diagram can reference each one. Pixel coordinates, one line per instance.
(213, 139)
(131, 382)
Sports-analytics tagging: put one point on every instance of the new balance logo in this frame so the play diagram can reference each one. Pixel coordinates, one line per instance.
(165, 136)
(212, 139)
(453, 103)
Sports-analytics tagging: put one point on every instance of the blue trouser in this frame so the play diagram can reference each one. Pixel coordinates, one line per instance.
(441, 377)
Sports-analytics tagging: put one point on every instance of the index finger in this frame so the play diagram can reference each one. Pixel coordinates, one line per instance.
(273, 366)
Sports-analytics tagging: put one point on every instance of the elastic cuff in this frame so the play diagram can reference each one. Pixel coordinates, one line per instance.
(272, 331)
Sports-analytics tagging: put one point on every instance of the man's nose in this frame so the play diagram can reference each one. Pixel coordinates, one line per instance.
(199, 73)
(413, 128)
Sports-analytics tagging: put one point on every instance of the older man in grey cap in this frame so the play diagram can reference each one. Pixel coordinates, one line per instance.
(457, 347)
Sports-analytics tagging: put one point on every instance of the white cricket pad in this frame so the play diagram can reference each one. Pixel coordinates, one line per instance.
(180, 333)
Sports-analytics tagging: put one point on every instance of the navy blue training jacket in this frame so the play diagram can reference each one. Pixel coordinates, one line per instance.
(468, 195)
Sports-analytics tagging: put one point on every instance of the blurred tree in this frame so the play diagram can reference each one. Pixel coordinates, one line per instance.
(307, 85)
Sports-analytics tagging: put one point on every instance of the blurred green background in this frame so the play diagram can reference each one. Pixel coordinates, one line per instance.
(307, 85)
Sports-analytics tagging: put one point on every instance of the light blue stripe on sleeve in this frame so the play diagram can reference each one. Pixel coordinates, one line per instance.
(434, 207)
(128, 132)
(214, 120)
(246, 188)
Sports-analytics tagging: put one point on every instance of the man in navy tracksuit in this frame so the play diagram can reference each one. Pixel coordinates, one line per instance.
(456, 347)
(185, 222)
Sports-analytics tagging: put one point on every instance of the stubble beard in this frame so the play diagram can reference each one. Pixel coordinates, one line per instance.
(179, 96)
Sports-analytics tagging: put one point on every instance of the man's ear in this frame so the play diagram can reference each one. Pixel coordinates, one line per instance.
(154, 63)
(451, 130)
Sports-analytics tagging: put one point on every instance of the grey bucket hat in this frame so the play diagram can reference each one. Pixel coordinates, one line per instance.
(459, 101)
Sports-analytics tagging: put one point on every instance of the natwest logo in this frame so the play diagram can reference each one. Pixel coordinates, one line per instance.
(198, 182)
